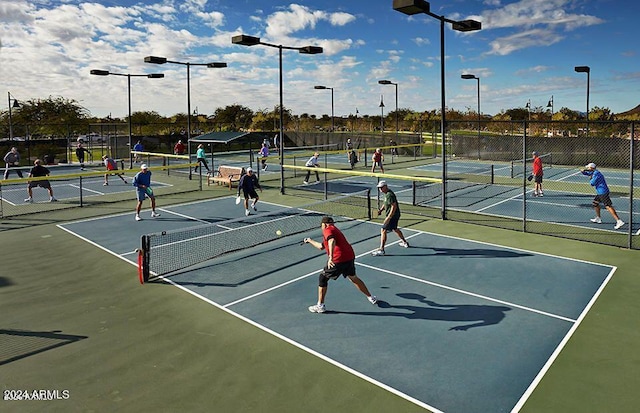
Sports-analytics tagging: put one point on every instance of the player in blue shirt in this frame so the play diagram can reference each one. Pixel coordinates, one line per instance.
(142, 182)
(248, 184)
(602, 195)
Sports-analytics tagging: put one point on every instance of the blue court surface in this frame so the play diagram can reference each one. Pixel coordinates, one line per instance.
(71, 189)
(461, 326)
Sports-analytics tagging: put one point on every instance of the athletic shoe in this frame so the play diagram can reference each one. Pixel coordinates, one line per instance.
(254, 207)
(305, 182)
(105, 184)
(29, 200)
(138, 218)
(247, 212)
(318, 308)
(540, 194)
(535, 193)
(404, 244)
(373, 299)
(619, 224)
(377, 253)
(154, 214)
(596, 220)
(55, 200)
(265, 167)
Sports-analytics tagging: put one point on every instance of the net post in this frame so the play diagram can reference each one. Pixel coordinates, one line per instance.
(413, 193)
(144, 250)
(492, 175)
(369, 216)
(1, 210)
(80, 191)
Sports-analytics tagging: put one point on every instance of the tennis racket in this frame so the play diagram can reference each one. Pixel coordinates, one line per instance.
(529, 178)
(238, 200)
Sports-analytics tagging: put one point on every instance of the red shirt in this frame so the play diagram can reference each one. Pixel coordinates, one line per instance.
(537, 166)
(377, 156)
(342, 250)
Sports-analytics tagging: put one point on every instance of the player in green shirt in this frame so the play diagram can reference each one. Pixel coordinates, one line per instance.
(392, 217)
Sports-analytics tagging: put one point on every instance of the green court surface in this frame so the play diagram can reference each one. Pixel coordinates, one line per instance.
(471, 319)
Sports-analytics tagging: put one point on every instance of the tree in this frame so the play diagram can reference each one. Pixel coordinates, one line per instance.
(51, 117)
(233, 117)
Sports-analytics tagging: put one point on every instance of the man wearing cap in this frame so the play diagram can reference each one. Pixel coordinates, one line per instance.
(248, 184)
(602, 195)
(341, 261)
(312, 163)
(39, 171)
(537, 174)
(142, 182)
(390, 223)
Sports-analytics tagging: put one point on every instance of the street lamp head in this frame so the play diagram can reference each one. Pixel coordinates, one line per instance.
(582, 69)
(384, 82)
(467, 25)
(245, 40)
(15, 104)
(216, 65)
(98, 72)
(311, 50)
(155, 59)
(468, 76)
(155, 75)
(411, 7)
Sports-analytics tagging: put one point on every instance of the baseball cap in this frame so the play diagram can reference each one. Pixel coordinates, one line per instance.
(327, 220)
(590, 165)
(535, 153)
(382, 183)
(144, 166)
(249, 169)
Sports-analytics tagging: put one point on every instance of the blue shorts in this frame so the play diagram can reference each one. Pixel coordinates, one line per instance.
(141, 194)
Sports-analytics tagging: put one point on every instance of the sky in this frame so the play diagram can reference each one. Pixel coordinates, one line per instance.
(525, 52)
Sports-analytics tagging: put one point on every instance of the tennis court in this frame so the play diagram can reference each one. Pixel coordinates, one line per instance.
(461, 325)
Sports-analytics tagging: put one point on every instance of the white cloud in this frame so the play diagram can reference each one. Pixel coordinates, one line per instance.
(531, 38)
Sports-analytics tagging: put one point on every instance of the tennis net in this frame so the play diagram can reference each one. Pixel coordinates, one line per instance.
(468, 179)
(166, 252)
(519, 166)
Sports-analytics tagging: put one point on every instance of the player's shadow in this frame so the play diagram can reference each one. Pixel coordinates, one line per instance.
(470, 315)
(466, 253)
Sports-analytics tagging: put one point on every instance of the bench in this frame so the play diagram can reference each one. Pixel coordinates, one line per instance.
(226, 175)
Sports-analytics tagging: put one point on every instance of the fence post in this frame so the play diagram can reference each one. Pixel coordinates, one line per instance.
(631, 194)
(524, 177)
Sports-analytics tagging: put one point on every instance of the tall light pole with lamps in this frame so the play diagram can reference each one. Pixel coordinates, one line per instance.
(245, 40)
(411, 7)
(322, 88)
(129, 76)
(15, 105)
(470, 76)
(550, 105)
(381, 116)
(163, 60)
(388, 82)
(587, 70)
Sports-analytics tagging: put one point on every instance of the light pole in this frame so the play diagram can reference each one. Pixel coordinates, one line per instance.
(163, 60)
(469, 76)
(15, 105)
(245, 40)
(550, 105)
(587, 70)
(411, 7)
(388, 82)
(381, 116)
(322, 88)
(129, 76)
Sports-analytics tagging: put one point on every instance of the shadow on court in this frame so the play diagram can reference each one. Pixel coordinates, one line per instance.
(478, 315)
(18, 344)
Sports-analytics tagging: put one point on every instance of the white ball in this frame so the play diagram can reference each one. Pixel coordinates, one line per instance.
(278, 232)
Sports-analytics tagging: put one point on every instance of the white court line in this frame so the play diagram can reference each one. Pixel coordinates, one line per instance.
(501, 202)
(86, 189)
(184, 216)
(457, 290)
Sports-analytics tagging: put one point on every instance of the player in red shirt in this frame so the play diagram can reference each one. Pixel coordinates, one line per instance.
(537, 174)
(341, 262)
(377, 158)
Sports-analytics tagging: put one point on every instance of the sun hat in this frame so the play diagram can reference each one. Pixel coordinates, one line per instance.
(590, 165)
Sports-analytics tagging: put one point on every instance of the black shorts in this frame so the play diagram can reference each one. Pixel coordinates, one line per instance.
(250, 194)
(345, 269)
(392, 225)
(537, 179)
(604, 199)
(42, 184)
